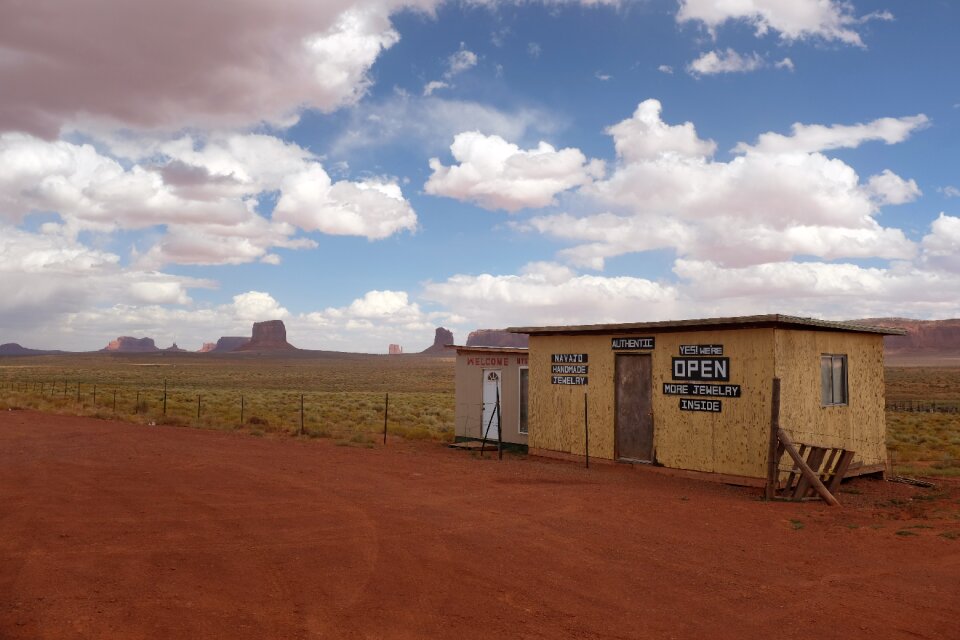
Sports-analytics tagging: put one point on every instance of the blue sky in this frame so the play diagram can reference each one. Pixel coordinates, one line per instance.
(367, 170)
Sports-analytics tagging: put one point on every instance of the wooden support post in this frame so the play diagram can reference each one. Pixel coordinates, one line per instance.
(94, 396)
(198, 407)
(807, 472)
(301, 414)
(499, 428)
(772, 459)
(586, 433)
(136, 407)
(78, 393)
(164, 396)
(114, 400)
(241, 409)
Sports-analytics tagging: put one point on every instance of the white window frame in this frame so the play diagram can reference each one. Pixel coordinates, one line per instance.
(845, 401)
(520, 429)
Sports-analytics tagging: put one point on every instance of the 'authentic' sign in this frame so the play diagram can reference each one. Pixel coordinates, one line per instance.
(632, 344)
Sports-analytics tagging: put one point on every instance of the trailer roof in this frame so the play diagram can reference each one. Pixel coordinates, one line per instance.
(461, 348)
(707, 324)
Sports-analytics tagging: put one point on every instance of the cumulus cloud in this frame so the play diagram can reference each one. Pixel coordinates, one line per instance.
(497, 174)
(807, 138)
(204, 194)
(374, 209)
(889, 188)
(434, 85)
(830, 20)
(728, 61)
(46, 275)
(667, 193)
(257, 306)
(551, 294)
(136, 65)
(941, 247)
(460, 61)
(950, 191)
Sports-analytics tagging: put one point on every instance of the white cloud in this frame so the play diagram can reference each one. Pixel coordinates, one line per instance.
(646, 136)
(374, 209)
(665, 68)
(830, 20)
(889, 188)
(550, 294)
(432, 86)
(941, 247)
(729, 61)
(497, 174)
(460, 61)
(602, 77)
(666, 193)
(807, 138)
(431, 122)
(786, 63)
(950, 191)
(534, 49)
(177, 63)
(257, 306)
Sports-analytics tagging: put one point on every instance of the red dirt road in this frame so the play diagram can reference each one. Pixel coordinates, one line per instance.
(112, 530)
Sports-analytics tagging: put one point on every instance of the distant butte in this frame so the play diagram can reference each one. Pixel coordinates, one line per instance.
(441, 338)
(126, 344)
(270, 335)
(497, 338)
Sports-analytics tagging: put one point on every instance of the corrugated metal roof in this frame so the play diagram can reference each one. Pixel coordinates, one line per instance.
(706, 324)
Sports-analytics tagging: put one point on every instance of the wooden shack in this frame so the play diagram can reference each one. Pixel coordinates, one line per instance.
(695, 395)
(484, 375)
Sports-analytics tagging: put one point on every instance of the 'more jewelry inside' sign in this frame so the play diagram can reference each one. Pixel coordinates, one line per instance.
(568, 368)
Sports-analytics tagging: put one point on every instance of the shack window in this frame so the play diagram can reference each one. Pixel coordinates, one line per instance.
(524, 394)
(833, 379)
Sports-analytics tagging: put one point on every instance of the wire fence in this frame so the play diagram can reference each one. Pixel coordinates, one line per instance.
(923, 407)
(355, 415)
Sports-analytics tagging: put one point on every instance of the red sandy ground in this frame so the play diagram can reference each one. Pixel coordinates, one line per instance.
(112, 530)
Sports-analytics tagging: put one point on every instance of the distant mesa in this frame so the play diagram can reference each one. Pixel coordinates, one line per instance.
(497, 338)
(174, 349)
(270, 335)
(207, 347)
(395, 349)
(441, 338)
(926, 340)
(14, 349)
(126, 344)
(226, 344)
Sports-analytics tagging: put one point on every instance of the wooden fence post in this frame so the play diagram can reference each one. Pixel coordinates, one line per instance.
(772, 473)
(386, 410)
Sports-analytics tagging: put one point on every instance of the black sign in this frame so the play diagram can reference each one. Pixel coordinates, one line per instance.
(569, 369)
(701, 349)
(568, 358)
(709, 406)
(700, 389)
(632, 344)
(569, 379)
(701, 369)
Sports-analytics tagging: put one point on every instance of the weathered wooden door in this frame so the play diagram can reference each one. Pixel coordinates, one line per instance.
(491, 391)
(634, 408)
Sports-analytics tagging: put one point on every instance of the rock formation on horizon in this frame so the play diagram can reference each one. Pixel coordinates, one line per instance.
(226, 344)
(497, 338)
(14, 349)
(174, 349)
(207, 347)
(395, 349)
(270, 335)
(441, 338)
(924, 337)
(127, 344)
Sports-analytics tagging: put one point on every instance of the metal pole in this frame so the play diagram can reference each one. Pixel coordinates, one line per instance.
(136, 407)
(78, 393)
(301, 414)
(114, 400)
(198, 407)
(94, 396)
(499, 428)
(64, 388)
(164, 396)
(386, 410)
(586, 432)
(241, 409)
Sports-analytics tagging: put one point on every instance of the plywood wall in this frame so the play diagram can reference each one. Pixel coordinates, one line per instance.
(860, 425)
(731, 442)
